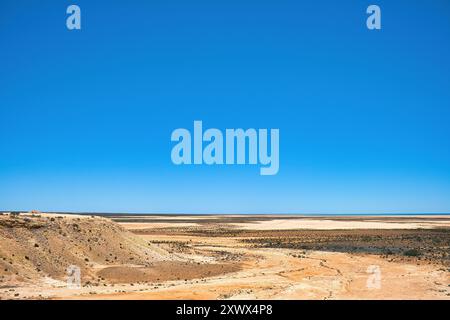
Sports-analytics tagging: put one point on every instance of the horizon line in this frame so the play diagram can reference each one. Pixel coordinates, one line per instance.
(217, 214)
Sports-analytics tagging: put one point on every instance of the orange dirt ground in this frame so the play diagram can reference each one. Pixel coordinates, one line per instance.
(224, 257)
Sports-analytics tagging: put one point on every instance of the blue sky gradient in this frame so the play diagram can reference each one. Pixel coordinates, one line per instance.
(86, 116)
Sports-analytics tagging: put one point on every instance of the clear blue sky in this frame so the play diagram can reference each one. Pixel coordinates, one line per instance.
(86, 116)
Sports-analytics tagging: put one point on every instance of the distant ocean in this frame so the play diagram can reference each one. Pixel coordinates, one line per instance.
(212, 214)
(283, 214)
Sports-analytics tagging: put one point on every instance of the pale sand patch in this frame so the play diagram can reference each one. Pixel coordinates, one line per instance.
(325, 224)
(155, 225)
(170, 217)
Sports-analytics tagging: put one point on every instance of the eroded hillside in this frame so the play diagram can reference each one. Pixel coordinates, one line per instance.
(44, 246)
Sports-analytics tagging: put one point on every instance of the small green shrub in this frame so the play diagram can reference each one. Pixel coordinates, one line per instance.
(412, 253)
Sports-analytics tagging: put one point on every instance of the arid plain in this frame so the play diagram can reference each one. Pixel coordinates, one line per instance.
(224, 256)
